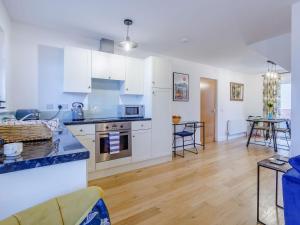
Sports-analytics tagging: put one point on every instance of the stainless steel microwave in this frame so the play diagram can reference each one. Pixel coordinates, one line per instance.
(129, 111)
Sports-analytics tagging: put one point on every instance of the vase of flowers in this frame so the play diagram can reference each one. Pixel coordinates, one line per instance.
(270, 110)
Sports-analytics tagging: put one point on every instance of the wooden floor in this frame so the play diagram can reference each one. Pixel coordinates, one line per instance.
(216, 187)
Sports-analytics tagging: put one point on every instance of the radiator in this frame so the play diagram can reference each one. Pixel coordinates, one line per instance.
(235, 127)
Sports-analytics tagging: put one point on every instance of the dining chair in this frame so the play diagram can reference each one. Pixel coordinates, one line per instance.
(286, 131)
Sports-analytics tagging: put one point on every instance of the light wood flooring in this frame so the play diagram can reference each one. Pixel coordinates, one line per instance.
(216, 187)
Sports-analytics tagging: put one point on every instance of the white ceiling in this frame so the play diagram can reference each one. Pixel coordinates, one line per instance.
(219, 31)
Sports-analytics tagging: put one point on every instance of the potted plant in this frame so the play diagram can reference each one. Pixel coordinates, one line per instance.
(270, 110)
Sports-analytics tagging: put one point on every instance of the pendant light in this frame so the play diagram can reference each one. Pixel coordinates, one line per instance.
(127, 44)
(272, 73)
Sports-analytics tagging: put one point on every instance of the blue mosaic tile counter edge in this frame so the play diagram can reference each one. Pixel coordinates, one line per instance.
(63, 148)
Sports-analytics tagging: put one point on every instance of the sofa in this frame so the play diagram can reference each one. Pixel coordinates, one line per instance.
(291, 193)
(81, 207)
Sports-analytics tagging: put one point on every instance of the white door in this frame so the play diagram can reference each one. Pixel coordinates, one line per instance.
(141, 145)
(77, 70)
(134, 80)
(162, 73)
(117, 67)
(88, 141)
(161, 123)
(100, 65)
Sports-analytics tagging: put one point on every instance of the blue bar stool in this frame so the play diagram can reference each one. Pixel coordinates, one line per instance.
(188, 131)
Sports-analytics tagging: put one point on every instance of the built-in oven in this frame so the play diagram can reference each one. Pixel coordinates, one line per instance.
(103, 146)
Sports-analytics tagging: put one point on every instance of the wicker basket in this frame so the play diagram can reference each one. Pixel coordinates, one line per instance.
(24, 132)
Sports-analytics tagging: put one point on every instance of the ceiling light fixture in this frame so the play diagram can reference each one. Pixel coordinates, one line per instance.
(127, 44)
(272, 71)
(184, 40)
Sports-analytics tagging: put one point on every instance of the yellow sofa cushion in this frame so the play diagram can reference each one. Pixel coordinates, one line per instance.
(75, 206)
(69, 209)
(10, 221)
(47, 213)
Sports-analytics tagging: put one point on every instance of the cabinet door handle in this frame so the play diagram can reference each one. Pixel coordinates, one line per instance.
(133, 136)
(81, 130)
(94, 141)
(126, 89)
(89, 87)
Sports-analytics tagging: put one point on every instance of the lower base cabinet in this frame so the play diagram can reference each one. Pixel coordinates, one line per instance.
(141, 145)
(88, 141)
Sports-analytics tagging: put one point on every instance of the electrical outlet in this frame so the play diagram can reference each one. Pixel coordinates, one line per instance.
(49, 106)
(64, 106)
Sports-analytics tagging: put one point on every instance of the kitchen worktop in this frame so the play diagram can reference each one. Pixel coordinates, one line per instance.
(62, 148)
(103, 120)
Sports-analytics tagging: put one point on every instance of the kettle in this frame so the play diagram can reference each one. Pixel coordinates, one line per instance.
(77, 111)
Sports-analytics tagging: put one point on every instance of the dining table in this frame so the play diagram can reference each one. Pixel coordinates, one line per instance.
(271, 123)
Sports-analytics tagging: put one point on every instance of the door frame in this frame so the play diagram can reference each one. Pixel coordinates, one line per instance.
(216, 103)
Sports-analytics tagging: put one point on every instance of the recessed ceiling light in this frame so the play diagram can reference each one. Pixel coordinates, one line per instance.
(184, 40)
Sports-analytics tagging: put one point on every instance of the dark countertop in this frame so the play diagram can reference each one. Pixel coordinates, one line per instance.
(63, 147)
(103, 120)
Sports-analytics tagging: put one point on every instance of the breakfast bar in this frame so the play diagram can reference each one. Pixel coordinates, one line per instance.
(45, 169)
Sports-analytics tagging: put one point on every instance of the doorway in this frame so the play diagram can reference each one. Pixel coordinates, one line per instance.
(208, 94)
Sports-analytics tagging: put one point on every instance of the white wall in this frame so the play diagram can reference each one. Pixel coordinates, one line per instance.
(51, 78)
(5, 29)
(277, 49)
(226, 109)
(23, 91)
(37, 73)
(295, 80)
(25, 74)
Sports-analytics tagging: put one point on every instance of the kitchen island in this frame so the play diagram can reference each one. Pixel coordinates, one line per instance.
(45, 169)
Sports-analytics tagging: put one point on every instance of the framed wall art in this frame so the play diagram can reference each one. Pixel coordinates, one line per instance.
(236, 91)
(180, 87)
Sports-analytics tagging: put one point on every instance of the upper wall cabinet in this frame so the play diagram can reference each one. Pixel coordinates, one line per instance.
(108, 66)
(160, 71)
(77, 70)
(134, 77)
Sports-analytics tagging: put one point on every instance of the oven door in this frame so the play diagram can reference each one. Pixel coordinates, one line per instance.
(103, 149)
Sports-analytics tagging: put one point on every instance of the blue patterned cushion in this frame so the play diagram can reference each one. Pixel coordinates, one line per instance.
(295, 163)
(98, 215)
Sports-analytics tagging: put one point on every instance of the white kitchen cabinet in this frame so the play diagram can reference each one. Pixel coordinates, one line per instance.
(85, 134)
(134, 77)
(141, 145)
(108, 66)
(81, 130)
(77, 70)
(161, 123)
(88, 141)
(141, 125)
(160, 71)
(100, 65)
(117, 65)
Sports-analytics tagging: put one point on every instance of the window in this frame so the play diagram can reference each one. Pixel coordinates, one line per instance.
(285, 97)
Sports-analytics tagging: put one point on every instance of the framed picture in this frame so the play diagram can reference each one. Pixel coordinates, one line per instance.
(180, 87)
(236, 91)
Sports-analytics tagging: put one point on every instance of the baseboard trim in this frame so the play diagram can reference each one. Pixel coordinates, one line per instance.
(128, 167)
